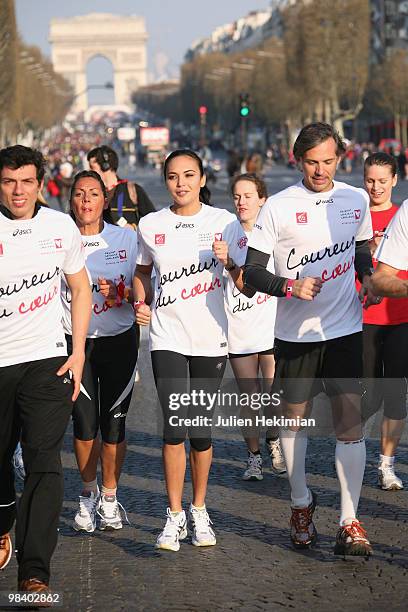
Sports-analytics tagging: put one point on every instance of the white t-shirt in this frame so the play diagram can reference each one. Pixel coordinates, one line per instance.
(188, 314)
(251, 321)
(314, 234)
(393, 248)
(110, 255)
(33, 255)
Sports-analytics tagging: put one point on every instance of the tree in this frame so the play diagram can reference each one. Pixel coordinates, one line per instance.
(327, 45)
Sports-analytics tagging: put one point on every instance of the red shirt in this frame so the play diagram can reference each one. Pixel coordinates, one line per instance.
(391, 311)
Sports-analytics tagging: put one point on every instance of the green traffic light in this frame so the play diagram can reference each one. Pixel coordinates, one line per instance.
(244, 111)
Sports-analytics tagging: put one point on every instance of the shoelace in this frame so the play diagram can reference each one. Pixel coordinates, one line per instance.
(202, 520)
(254, 461)
(276, 450)
(116, 508)
(301, 519)
(172, 526)
(87, 505)
(355, 530)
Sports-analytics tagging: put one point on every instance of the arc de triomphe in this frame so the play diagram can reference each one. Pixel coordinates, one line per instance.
(121, 39)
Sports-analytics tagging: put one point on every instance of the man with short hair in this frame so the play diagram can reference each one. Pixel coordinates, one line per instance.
(37, 245)
(318, 232)
(127, 201)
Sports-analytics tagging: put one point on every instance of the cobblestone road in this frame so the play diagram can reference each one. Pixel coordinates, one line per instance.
(253, 566)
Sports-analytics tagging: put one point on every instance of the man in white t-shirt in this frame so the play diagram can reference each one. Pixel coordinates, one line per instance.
(392, 256)
(37, 245)
(317, 232)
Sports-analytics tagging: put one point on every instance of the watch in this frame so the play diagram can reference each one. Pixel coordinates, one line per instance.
(289, 288)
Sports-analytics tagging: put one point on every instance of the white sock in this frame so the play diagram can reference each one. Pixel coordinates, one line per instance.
(294, 445)
(386, 461)
(350, 461)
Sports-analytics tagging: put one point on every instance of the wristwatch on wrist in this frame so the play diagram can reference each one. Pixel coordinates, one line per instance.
(289, 288)
(231, 265)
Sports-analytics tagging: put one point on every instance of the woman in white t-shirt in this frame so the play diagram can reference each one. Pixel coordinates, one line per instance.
(110, 353)
(251, 323)
(189, 244)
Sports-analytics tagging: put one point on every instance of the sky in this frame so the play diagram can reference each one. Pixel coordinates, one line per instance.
(172, 26)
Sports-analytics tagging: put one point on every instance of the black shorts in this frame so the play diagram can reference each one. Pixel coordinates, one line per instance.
(385, 350)
(238, 355)
(106, 387)
(304, 369)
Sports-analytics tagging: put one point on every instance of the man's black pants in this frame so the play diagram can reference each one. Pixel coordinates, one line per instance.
(35, 404)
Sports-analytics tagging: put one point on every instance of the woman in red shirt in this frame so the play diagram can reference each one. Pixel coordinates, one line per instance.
(385, 330)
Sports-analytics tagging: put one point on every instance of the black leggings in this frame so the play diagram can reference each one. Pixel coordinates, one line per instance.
(171, 374)
(385, 357)
(107, 385)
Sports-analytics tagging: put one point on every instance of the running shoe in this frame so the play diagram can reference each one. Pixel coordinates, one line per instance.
(109, 512)
(276, 455)
(302, 530)
(85, 518)
(200, 523)
(352, 540)
(6, 549)
(174, 530)
(18, 464)
(254, 467)
(388, 480)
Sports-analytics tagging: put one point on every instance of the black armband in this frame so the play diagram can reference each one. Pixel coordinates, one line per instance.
(363, 263)
(257, 277)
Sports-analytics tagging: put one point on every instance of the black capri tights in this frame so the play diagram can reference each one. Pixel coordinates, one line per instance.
(385, 358)
(187, 414)
(107, 385)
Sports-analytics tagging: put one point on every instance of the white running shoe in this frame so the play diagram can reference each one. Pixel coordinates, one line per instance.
(109, 512)
(18, 463)
(254, 467)
(276, 455)
(85, 518)
(174, 530)
(388, 480)
(200, 524)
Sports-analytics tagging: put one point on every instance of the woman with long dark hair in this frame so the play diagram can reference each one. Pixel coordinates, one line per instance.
(110, 353)
(189, 244)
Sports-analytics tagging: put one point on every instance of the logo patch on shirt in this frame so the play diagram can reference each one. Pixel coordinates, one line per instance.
(1, 250)
(301, 218)
(58, 243)
(22, 232)
(159, 238)
(218, 236)
(184, 225)
(242, 242)
(357, 214)
(122, 254)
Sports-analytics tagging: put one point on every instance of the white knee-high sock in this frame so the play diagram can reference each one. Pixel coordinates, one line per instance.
(294, 445)
(350, 465)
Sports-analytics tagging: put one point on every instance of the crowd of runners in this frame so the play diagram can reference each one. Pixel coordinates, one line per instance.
(304, 291)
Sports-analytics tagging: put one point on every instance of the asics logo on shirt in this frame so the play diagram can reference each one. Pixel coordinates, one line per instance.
(329, 201)
(91, 244)
(119, 415)
(184, 225)
(22, 232)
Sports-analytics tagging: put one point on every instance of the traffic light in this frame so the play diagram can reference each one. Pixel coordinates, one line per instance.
(244, 108)
(202, 110)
